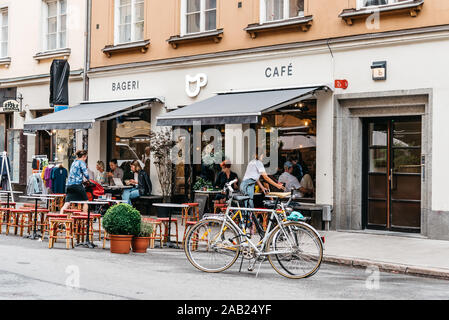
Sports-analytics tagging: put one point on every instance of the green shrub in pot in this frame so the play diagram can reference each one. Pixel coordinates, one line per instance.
(122, 219)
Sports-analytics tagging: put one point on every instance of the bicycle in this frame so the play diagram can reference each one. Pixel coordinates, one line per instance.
(293, 248)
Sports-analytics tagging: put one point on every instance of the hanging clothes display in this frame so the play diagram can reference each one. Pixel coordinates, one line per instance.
(59, 178)
(35, 185)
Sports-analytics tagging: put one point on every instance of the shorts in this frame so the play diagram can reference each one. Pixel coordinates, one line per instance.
(76, 192)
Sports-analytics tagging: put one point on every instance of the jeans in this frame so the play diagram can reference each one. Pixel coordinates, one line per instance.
(247, 188)
(129, 194)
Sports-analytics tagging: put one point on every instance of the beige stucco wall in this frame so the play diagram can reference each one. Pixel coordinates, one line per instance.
(162, 20)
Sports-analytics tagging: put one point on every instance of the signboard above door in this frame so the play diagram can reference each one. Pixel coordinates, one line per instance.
(11, 106)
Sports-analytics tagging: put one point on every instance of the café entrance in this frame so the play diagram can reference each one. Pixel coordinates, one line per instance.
(392, 174)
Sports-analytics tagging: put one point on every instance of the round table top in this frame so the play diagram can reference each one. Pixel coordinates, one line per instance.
(208, 191)
(170, 205)
(117, 187)
(6, 191)
(49, 195)
(89, 202)
(110, 200)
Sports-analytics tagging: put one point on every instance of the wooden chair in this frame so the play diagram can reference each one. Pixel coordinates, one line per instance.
(55, 229)
(194, 208)
(165, 222)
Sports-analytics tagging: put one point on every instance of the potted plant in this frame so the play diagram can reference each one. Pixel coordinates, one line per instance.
(122, 223)
(142, 240)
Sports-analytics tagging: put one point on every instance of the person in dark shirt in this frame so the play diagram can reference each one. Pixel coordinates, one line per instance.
(225, 176)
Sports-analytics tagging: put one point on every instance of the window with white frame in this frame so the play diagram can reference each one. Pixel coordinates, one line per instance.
(4, 32)
(199, 16)
(130, 20)
(371, 3)
(55, 25)
(275, 10)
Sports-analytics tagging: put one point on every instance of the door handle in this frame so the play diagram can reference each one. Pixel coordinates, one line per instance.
(391, 179)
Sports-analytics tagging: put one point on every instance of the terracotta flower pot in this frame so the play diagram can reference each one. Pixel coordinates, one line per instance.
(120, 243)
(140, 244)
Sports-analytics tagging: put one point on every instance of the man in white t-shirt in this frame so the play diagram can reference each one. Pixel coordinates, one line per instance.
(254, 170)
(290, 181)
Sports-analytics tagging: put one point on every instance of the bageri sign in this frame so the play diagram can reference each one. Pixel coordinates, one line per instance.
(11, 106)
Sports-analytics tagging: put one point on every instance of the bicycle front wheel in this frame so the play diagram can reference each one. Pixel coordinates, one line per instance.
(212, 247)
(298, 251)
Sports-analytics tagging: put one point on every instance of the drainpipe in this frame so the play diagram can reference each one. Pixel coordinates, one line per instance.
(87, 49)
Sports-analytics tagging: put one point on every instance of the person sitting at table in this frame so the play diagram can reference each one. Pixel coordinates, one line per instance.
(141, 184)
(290, 181)
(75, 190)
(100, 175)
(307, 183)
(223, 177)
(116, 172)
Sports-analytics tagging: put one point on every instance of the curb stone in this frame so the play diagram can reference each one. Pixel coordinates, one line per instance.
(389, 267)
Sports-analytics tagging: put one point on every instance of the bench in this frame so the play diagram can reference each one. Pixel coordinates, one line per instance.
(147, 202)
(324, 209)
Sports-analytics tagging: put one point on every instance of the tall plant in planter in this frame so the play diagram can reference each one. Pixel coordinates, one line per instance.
(122, 222)
(161, 145)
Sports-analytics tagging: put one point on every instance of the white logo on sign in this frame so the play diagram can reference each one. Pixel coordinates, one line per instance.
(198, 81)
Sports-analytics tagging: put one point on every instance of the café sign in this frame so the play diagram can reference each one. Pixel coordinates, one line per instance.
(11, 106)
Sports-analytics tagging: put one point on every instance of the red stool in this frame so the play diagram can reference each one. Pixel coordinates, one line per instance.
(56, 227)
(5, 203)
(157, 231)
(95, 216)
(48, 216)
(165, 222)
(188, 225)
(195, 212)
(220, 206)
(80, 227)
(16, 219)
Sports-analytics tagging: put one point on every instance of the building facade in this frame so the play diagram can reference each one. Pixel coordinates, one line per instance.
(373, 142)
(33, 34)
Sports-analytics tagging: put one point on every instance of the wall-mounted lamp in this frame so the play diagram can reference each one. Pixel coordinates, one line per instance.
(379, 70)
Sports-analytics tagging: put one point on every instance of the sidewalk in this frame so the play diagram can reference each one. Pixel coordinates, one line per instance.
(412, 255)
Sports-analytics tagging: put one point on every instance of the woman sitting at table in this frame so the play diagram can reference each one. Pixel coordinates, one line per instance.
(141, 183)
(225, 176)
(100, 175)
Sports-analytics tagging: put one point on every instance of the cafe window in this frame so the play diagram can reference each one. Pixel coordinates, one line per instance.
(129, 20)
(296, 125)
(55, 26)
(275, 10)
(199, 16)
(371, 3)
(130, 139)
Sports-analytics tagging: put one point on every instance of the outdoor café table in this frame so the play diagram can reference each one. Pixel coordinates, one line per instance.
(88, 243)
(170, 207)
(36, 199)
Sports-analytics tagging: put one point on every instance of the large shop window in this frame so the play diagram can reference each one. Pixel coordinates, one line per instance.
(296, 125)
(199, 16)
(131, 139)
(129, 20)
(275, 10)
(55, 26)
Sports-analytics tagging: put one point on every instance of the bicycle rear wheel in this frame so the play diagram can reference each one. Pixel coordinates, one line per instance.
(211, 249)
(300, 250)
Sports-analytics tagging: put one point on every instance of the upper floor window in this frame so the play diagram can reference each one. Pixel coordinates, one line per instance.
(129, 20)
(199, 16)
(55, 25)
(274, 10)
(4, 32)
(370, 3)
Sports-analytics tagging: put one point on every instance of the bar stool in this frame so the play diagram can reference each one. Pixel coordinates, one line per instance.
(189, 224)
(195, 212)
(219, 206)
(4, 217)
(157, 231)
(16, 220)
(46, 227)
(55, 229)
(80, 227)
(165, 222)
(72, 211)
(94, 216)
(5, 203)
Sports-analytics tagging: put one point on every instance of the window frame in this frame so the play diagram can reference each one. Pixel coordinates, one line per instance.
(2, 10)
(202, 12)
(58, 32)
(389, 3)
(286, 12)
(133, 22)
